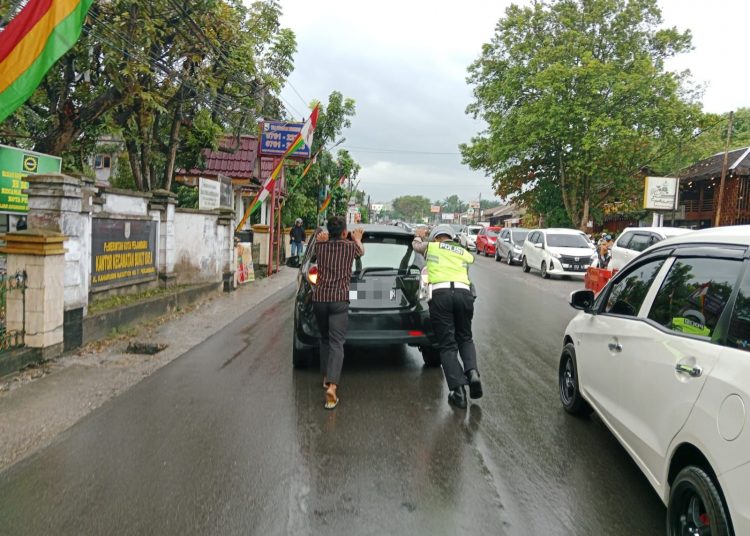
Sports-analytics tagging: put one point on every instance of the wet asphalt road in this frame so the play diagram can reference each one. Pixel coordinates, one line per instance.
(228, 439)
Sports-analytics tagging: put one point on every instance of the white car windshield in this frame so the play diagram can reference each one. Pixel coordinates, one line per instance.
(566, 241)
(473, 231)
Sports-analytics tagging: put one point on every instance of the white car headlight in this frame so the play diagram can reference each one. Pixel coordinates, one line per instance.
(555, 255)
(517, 249)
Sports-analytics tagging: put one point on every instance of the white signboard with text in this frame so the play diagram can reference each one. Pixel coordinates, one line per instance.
(660, 193)
(209, 194)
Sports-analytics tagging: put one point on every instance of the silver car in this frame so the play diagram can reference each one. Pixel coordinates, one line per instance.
(509, 245)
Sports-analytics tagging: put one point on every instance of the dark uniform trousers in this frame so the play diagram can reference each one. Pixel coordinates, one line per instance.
(333, 320)
(451, 313)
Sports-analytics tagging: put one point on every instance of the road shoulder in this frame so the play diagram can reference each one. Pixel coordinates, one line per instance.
(40, 403)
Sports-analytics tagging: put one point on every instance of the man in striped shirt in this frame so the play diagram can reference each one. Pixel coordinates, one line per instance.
(335, 251)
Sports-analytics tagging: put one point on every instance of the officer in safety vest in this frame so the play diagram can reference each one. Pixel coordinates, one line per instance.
(451, 309)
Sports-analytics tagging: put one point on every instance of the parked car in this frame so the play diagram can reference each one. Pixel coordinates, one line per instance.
(509, 246)
(388, 297)
(662, 355)
(557, 252)
(634, 240)
(486, 238)
(469, 238)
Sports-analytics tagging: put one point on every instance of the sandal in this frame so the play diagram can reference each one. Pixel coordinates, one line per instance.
(331, 401)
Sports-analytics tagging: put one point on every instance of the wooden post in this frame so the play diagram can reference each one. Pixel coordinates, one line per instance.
(717, 221)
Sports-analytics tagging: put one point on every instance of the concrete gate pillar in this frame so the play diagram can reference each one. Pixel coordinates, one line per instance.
(164, 202)
(62, 204)
(40, 313)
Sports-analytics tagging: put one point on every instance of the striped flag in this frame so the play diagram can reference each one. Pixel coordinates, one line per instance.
(304, 137)
(327, 202)
(32, 42)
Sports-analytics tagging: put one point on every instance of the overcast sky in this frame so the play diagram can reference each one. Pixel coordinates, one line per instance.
(404, 63)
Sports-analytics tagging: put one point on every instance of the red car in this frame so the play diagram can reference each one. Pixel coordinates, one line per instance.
(486, 241)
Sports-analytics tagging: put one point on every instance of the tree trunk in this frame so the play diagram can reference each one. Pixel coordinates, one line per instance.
(135, 167)
(585, 215)
(174, 138)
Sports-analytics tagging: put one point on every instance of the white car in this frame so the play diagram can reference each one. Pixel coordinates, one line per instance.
(468, 238)
(634, 240)
(662, 355)
(557, 252)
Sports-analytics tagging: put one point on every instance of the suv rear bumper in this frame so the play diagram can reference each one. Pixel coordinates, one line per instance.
(373, 328)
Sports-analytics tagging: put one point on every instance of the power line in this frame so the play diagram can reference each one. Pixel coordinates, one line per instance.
(398, 151)
(304, 102)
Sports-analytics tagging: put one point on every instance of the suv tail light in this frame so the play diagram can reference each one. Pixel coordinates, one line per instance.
(312, 274)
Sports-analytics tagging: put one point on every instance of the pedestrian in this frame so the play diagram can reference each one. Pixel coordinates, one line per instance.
(297, 236)
(334, 251)
(451, 305)
(603, 250)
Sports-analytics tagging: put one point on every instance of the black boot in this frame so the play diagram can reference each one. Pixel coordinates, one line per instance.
(475, 384)
(457, 397)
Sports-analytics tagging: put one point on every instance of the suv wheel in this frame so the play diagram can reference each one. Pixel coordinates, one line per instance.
(525, 265)
(545, 275)
(431, 356)
(695, 505)
(570, 394)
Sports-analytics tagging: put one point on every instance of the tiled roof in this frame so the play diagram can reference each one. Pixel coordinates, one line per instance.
(229, 159)
(738, 163)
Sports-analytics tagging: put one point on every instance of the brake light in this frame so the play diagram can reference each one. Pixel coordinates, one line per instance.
(416, 333)
(312, 275)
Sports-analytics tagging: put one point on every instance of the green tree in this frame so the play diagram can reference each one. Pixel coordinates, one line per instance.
(334, 117)
(411, 207)
(169, 77)
(575, 94)
(453, 204)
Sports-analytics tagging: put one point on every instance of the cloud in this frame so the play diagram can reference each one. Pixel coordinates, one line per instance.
(404, 62)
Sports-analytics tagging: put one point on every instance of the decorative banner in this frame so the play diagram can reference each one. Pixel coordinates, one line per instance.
(209, 194)
(660, 193)
(304, 138)
(32, 42)
(123, 252)
(16, 165)
(277, 136)
(267, 165)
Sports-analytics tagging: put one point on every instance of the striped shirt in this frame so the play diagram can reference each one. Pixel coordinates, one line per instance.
(335, 259)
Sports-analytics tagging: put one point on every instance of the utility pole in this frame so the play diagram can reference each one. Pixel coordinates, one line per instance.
(724, 171)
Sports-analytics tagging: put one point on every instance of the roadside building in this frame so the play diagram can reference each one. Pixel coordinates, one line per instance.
(509, 215)
(699, 191)
(109, 150)
(235, 158)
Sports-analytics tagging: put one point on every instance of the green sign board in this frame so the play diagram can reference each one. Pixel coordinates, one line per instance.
(15, 166)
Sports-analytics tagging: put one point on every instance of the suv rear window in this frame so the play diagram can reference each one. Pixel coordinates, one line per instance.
(385, 251)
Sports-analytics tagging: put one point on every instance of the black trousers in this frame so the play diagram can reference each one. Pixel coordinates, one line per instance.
(333, 321)
(451, 313)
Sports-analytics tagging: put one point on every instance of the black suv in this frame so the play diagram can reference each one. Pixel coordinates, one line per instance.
(388, 297)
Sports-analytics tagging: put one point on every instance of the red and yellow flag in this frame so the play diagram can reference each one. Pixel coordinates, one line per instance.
(32, 42)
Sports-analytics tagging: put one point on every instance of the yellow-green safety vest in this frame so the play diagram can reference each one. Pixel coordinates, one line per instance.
(446, 262)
